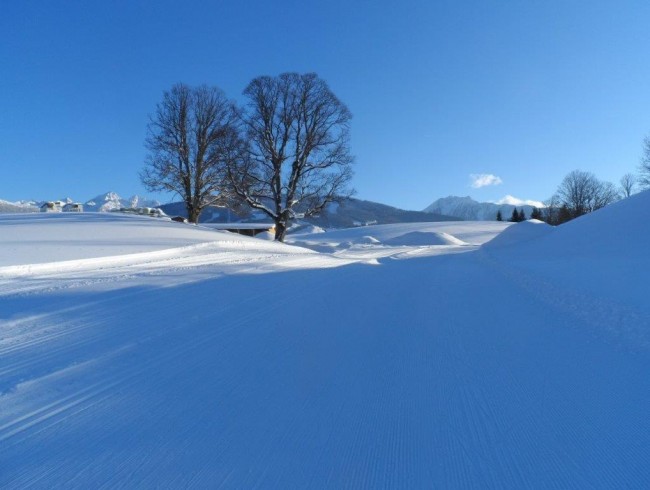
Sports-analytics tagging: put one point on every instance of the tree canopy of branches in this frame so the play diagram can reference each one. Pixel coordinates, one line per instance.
(297, 157)
(628, 184)
(189, 138)
(581, 193)
(644, 167)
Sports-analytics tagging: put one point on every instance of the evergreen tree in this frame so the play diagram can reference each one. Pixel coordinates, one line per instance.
(522, 215)
(499, 216)
(536, 214)
(515, 216)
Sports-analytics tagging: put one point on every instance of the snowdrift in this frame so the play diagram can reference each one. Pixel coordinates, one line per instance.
(423, 238)
(620, 230)
(439, 233)
(518, 234)
(365, 240)
(38, 238)
(605, 254)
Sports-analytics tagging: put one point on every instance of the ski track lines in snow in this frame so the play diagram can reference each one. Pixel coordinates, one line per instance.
(336, 378)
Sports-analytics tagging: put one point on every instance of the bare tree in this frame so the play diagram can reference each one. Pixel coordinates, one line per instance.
(189, 138)
(581, 192)
(628, 184)
(644, 167)
(606, 193)
(551, 209)
(298, 158)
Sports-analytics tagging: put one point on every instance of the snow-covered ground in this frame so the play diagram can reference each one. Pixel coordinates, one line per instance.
(140, 353)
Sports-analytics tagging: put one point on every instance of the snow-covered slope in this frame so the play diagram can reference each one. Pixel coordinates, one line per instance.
(54, 237)
(242, 363)
(605, 254)
(468, 209)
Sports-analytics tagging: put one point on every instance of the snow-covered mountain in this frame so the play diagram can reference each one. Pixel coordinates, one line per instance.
(467, 208)
(108, 201)
(18, 207)
(111, 201)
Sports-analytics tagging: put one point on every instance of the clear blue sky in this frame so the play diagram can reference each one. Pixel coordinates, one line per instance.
(523, 90)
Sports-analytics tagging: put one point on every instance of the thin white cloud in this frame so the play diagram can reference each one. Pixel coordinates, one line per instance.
(483, 180)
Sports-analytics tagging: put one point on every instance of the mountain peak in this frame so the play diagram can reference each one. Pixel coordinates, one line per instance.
(111, 201)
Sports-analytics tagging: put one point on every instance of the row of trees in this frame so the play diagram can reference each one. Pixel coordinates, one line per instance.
(286, 150)
(519, 215)
(579, 193)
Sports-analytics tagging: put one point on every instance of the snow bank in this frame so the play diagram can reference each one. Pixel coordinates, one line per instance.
(620, 229)
(519, 234)
(366, 240)
(469, 232)
(51, 237)
(605, 254)
(423, 238)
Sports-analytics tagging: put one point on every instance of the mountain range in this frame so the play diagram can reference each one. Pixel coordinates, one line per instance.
(351, 213)
(108, 201)
(354, 212)
(111, 201)
(468, 209)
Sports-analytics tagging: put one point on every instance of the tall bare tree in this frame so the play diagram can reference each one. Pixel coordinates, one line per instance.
(628, 184)
(298, 157)
(189, 137)
(644, 167)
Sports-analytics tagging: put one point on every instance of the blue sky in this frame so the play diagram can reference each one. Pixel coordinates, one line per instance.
(525, 91)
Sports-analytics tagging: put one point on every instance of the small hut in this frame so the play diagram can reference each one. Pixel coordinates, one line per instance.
(51, 207)
(73, 207)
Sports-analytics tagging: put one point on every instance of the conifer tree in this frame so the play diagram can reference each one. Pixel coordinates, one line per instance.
(515, 216)
(499, 216)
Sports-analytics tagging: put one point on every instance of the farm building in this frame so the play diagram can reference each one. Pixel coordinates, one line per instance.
(52, 207)
(73, 207)
(249, 229)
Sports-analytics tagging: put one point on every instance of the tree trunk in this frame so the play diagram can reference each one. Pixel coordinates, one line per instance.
(280, 230)
(193, 214)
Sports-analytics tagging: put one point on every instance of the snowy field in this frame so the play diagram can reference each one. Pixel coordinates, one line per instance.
(142, 353)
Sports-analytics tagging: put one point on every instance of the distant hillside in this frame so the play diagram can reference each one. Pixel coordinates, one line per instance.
(353, 212)
(467, 208)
